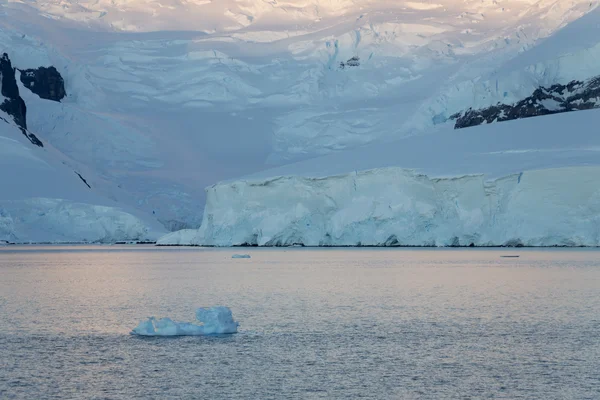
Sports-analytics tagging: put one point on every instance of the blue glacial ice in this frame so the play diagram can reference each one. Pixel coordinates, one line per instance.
(215, 320)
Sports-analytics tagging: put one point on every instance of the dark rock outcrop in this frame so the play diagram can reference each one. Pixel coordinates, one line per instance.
(83, 180)
(574, 96)
(47, 83)
(13, 104)
(353, 62)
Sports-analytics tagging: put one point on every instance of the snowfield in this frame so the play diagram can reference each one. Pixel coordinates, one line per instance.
(44, 200)
(165, 98)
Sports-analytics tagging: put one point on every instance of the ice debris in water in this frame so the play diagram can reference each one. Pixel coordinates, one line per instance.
(241, 256)
(215, 320)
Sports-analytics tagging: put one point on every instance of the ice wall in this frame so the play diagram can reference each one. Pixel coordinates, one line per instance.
(62, 220)
(395, 206)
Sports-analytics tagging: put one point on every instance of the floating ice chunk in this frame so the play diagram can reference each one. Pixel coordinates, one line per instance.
(241, 256)
(167, 327)
(215, 320)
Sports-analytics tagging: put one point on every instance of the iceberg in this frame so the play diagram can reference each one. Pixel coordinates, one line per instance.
(215, 321)
(241, 256)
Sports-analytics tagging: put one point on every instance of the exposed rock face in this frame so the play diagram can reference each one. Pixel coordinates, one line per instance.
(353, 62)
(83, 180)
(13, 104)
(574, 96)
(45, 82)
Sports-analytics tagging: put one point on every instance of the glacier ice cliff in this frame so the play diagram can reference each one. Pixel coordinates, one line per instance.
(215, 321)
(400, 207)
(38, 220)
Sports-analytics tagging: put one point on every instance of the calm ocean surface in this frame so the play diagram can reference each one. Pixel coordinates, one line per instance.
(331, 323)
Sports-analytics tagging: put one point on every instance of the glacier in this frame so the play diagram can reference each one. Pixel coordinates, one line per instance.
(398, 207)
(520, 183)
(215, 321)
(517, 183)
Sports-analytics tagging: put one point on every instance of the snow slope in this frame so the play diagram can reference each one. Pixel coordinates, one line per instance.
(44, 200)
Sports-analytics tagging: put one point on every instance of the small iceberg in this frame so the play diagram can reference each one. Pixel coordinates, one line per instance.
(241, 256)
(215, 321)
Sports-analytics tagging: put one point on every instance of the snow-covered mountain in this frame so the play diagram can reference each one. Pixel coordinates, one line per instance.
(45, 198)
(164, 98)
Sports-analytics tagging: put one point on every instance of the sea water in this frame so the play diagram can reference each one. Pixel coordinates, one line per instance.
(314, 323)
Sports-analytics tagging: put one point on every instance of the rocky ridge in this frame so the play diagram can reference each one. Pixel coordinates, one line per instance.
(574, 96)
